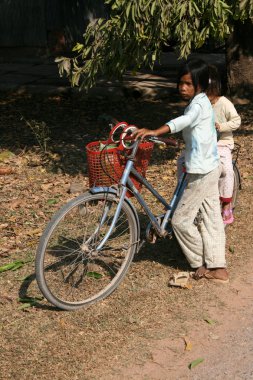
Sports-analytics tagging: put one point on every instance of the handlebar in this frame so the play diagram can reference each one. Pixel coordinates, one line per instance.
(163, 140)
(157, 140)
(122, 133)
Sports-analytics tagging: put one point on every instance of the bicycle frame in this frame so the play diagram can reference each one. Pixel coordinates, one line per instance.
(126, 184)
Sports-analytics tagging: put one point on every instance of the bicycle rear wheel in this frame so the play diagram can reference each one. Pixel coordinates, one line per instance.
(237, 186)
(70, 272)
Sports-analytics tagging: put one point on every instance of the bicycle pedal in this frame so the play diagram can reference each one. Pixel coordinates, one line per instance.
(151, 237)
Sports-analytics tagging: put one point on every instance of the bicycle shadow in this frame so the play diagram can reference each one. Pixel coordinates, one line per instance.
(166, 251)
(23, 294)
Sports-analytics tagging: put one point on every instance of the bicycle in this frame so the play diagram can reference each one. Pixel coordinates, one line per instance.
(88, 246)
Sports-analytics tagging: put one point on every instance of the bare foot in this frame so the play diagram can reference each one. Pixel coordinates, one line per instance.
(200, 272)
(217, 275)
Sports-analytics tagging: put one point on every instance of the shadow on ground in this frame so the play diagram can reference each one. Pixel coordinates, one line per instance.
(60, 126)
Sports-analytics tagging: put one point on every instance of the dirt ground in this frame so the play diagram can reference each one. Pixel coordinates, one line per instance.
(145, 329)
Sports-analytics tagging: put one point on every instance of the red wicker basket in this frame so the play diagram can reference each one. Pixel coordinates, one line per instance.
(105, 166)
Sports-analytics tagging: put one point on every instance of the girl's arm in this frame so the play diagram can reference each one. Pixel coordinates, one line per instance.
(181, 122)
(233, 120)
(142, 133)
(173, 126)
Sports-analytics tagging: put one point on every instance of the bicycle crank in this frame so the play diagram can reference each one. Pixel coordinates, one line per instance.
(151, 233)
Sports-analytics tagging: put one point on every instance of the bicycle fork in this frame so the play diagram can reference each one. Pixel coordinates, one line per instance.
(123, 190)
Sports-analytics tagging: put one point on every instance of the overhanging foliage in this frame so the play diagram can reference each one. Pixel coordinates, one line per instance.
(136, 32)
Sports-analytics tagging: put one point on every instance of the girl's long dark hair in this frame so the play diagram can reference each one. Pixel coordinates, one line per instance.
(199, 73)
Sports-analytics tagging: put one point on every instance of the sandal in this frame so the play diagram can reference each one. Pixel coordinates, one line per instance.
(180, 279)
(228, 213)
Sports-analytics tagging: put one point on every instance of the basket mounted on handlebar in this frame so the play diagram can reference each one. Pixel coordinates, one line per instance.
(106, 160)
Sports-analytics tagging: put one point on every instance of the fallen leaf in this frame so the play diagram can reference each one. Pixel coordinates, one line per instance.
(94, 275)
(188, 344)
(5, 155)
(29, 302)
(52, 201)
(12, 266)
(188, 286)
(33, 231)
(5, 171)
(15, 203)
(4, 297)
(231, 249)
(196, 362)
(209, 321)
(25, 306)
(62, 323)
(46, 186)
(3, 225)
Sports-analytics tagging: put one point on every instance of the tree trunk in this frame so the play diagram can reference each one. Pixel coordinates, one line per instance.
(240, 60)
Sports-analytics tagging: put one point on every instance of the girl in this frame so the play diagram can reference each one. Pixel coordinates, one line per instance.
(226, 121)
(204, 245)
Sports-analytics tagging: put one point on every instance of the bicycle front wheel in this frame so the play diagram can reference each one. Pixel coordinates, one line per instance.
(70, 271)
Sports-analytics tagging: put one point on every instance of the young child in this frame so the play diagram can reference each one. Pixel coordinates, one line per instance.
(226, 121)
(203, 246)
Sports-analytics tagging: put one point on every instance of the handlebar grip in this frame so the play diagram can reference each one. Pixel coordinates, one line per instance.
(167, 141)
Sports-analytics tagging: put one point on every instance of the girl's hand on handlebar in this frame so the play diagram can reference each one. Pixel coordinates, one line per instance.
(143, 132)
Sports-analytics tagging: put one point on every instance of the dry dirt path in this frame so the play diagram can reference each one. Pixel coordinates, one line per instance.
(226, 347)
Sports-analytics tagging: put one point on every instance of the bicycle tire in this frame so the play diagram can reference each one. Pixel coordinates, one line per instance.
(69, 271)
(237, 186)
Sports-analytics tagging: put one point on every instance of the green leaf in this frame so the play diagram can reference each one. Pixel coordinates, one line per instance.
(182, 10)
(196, 362)
(12, 266)
(78, 47)
(52, 201)
(146, 25)
(128, 8)
(133, 13)
(25, 306)
(153, 8)
(94, 275)
(30, 299)
(29, 302)
(231, 249)
(209, 321)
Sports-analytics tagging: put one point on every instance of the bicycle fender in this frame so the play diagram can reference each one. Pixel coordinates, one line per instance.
(110, 190)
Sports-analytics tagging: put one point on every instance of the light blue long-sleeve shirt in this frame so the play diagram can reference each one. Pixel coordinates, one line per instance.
(199, 134)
